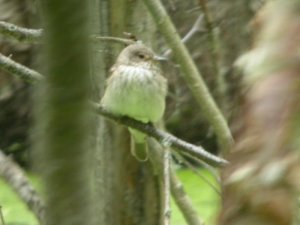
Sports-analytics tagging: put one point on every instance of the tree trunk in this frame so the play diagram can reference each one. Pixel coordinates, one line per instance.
(63, 114)
(127, 191)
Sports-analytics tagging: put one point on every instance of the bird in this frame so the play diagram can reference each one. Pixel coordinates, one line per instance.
(137, 89)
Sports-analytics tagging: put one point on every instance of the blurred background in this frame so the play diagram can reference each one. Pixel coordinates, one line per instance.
(247, 51)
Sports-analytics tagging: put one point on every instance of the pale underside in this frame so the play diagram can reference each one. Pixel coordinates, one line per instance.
(136, 92)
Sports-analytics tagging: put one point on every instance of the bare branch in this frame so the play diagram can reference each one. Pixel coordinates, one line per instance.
(198, 173)
(166, 139)
(22, 34)
(15, 177)
(211, 169)
(166, 187)
(19, 33)
(197, 27)
(113, 39)
(19, 70)
(182, 200)
(191, 76)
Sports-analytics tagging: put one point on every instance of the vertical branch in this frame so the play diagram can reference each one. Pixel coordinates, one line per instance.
(128, 190)
(191, 74)
(99, 138)
(214, 40)
(166, 186)
(182, 200)
(63, 115)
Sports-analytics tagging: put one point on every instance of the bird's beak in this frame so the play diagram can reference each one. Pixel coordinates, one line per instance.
(159, 58)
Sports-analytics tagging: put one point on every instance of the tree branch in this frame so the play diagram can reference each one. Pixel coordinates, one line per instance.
(214, 40)
(19, 33)
(22, 34)
(19, 70)
(197, 27)
(182, 200)
(164, 138)
(166, 187)
(205, 165)
(192, 76)
(195, 169)
(15, 177)
(112, 39)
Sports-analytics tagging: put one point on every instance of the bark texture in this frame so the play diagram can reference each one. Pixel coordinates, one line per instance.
(126, 190)
(63, 116)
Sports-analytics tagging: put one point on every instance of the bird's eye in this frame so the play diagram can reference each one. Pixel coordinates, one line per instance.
(141, 56)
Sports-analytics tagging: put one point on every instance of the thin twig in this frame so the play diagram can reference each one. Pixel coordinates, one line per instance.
(182, 200)
(194, 9)
(196, 171)
(166, 187)
(19, 33)
(15, 177)
(191, 76)
(196, 28)
(189, 165)
(162, 137)
(206, 166)
(22, 34)
(19, 70)
(113, 39)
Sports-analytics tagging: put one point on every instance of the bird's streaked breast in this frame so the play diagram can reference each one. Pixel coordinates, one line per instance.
(137, 92)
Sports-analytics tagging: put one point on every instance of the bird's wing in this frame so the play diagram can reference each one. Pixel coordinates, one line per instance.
(111, 71)
(113, 68)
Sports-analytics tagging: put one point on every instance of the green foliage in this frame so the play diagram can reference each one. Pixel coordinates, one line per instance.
(204, 198)
(14, 211)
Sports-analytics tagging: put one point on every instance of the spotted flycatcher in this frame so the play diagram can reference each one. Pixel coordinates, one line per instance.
(136, 89)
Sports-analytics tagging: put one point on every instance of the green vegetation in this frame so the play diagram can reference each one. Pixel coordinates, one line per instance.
(205, 199)
(14, 211)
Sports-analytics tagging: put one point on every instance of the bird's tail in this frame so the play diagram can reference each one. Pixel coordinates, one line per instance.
(138, 145)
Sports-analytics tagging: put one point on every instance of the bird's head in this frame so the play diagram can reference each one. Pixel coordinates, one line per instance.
(137, 55)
